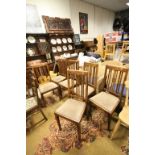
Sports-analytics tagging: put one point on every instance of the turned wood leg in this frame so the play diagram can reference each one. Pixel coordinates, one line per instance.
(79, 132)
(58, 121)
(115, 128)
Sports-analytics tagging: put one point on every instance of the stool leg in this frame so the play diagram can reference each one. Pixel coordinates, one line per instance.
(58, 121)
(115, 128)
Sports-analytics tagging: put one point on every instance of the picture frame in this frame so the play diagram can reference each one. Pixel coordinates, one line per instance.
(83, 21)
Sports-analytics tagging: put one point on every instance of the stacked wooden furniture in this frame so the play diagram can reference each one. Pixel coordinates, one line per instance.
(90, 46)
(125, 49)
(100, 45)
(110, 49)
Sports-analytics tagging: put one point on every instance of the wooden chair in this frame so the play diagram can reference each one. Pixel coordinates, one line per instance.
(73, 108)
(125, 49)
(109, 50)
(113, 84)
(71, 64)
(32, 100)
(62, 66)
(124, 114)
(92, 69)
(44, 80)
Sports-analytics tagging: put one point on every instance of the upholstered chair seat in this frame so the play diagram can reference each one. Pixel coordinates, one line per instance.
(105, 101)
(69, 111)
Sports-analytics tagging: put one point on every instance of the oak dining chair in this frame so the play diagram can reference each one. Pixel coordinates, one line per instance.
(74, 107)
(113, 86)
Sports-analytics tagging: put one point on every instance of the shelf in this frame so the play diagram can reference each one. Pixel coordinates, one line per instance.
(61, 44)
(36, 55)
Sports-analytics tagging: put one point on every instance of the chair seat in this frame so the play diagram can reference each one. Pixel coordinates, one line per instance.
(47, 87)
(90, 89)
(58, 78)
(124, 115)
(105, 101)
(31, 103)
(72, 109)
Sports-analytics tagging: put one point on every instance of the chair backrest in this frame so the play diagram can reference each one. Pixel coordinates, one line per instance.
(62, 66)
(92, 69)
(110, 48)
(41, 72)
(73, 64)
(114, 79)
(31, 86)
(125, 46)
(78, 84)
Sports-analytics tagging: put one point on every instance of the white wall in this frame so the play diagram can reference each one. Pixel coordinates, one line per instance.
(103, 20)
(79, 6)
(99, 20)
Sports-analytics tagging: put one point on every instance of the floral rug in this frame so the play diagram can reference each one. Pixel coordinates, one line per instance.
(67, 138)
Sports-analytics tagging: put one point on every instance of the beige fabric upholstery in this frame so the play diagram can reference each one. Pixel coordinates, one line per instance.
(124, 115)
(105, 101)
(72, 109)
(58, 78)
(31, 103)
(64, 83)
(47, 87)
(90, 89)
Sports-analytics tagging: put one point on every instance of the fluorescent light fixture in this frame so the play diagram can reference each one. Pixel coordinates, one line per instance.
(127, 3)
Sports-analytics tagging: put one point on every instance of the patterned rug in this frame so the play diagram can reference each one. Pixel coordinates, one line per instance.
(65, 139)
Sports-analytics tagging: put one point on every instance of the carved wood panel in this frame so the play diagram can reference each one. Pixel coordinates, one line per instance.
(57, 25)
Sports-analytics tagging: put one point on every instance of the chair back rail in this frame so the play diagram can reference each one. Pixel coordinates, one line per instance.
(41, 72)
(92, 69)
(125, 46)
(73, 64)
(114, 80)
(110, 48)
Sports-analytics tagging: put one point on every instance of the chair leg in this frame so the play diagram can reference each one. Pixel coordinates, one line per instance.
(115, 129)
(60, 92)
(58, 121)
(43, 114)
(43, 100)
(109, 120)
(79, 132)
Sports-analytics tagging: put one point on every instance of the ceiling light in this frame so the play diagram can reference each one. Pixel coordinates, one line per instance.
(127, 3)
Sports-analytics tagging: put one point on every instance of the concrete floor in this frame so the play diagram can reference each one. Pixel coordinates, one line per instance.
(101, 146)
